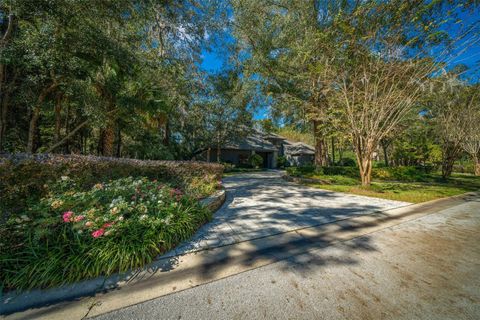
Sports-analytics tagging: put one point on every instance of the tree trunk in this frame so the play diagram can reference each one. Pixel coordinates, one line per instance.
(58, 117)
(164, 128)
(320, 150)
(218, 153)
(385, 152)
(36, 115)
(3, 118)
(366, 171)
(108, 140)
(364, 161)
(449, 155)
(333, 151)
(476, 163)
(109, 131)
(208, 154)
(119, 143)
(363, 151)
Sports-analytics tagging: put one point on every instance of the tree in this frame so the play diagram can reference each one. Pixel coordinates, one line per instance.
(363, 61)
(75, 75)
(471, 128)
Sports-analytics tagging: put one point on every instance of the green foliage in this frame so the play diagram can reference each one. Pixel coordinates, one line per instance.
(25, 179)
(72, 233)
(404, 173)
(255, 160)
(282, 162)
(295, 135)
(301, 171)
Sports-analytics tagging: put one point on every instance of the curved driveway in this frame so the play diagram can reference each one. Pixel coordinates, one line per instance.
(262, 204)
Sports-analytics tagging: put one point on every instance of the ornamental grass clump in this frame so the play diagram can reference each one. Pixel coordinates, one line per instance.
(72, 234)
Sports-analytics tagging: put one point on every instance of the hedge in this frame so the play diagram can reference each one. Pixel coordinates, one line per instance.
(25, 177)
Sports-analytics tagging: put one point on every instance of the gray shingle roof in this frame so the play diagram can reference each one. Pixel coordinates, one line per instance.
(254, 141)
(298, 148)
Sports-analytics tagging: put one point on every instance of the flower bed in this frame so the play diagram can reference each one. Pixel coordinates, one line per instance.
(23, 178)
(77, 225)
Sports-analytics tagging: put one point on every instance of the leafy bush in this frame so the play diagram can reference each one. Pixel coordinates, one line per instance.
(228, 167)
(300, 171)
(347, 162)
(344, 171)
(70, 234)
(255, 160)
(282, 162)
(404, 173)
(24, 178)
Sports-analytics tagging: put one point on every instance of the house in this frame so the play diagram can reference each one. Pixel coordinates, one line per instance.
(299, 154)
(268, 145)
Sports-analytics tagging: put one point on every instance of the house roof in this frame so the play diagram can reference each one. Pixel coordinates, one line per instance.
(273, 136)
(255, 141)
(298, 148)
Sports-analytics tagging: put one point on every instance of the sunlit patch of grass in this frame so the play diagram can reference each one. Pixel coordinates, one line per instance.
(414, 192)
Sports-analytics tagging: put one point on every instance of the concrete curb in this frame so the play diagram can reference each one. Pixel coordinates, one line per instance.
(215, 201)
(167, 275)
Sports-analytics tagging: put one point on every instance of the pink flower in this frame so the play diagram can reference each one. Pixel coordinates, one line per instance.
(78, 218)
(177, 192)
(98, 233)
(109, 224)
(67, 216)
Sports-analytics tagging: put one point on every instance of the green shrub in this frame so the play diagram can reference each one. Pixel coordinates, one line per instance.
(282, 162)
(347, 162)
(228, 167)
(71, 234)
(24, 178)
(344, 171)
(300, 171)
(403, 173)
(255, 160)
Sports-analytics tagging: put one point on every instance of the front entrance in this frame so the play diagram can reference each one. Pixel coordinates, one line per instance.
(267, 159)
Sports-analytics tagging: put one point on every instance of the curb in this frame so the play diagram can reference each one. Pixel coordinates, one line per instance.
(215, 201)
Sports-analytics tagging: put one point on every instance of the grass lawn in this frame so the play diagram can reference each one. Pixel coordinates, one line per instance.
(415, 192)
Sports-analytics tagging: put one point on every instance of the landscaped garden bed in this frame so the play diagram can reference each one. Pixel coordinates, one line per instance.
(69, 218)
(408, 184)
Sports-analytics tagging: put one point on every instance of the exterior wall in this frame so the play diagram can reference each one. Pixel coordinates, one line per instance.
(236, 157)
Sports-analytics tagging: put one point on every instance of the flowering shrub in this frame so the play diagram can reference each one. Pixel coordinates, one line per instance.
(71, 234)
(23, 178)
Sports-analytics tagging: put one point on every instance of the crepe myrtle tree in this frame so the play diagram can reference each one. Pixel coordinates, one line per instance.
(469, 124)
(375, 96)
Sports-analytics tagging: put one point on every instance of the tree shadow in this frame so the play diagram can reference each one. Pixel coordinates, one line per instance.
(275, 213)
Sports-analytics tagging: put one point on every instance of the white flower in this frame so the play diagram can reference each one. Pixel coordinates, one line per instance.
(159, 201)
(64, 178)
(120, 218)
(143, 217)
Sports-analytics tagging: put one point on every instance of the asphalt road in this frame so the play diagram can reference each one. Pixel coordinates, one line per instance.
(428, 268)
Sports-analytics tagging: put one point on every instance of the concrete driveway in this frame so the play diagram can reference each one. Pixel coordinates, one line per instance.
(263, 204)
(426, 268)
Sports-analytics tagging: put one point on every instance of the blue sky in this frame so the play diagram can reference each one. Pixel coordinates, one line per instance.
(215, 59)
